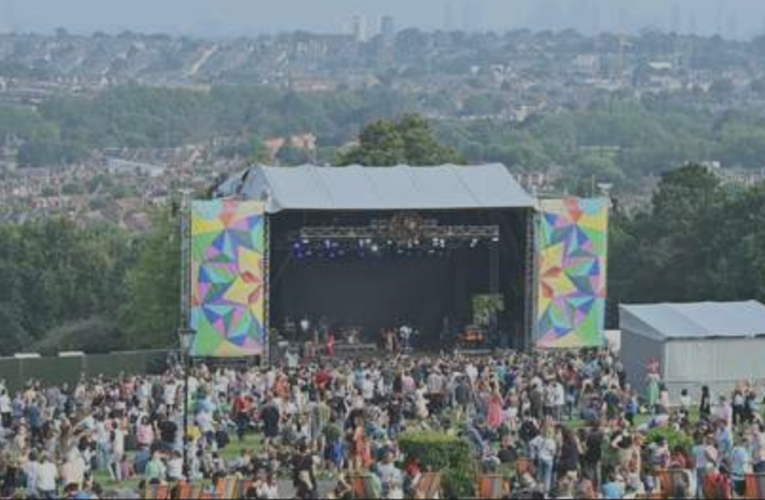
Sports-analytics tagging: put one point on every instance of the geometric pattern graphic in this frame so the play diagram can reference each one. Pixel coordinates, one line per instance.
(572, 243)
(227, 279)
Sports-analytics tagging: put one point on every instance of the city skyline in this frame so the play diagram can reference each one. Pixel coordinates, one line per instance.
(733, 19)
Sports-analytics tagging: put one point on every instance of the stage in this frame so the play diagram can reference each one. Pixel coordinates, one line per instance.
(379, 248)
(459, 255)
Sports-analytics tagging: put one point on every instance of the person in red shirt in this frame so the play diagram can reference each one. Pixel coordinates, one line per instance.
(241, 409)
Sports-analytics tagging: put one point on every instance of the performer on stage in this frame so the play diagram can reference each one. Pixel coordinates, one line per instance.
(331, 344)
(406, 338)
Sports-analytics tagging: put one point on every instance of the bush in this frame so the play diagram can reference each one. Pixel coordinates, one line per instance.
(446, 454)
(674, 438)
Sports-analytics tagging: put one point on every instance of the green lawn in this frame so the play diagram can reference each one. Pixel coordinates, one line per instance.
(252, 442)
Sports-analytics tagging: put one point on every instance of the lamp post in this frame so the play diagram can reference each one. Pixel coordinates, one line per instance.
(186, 336)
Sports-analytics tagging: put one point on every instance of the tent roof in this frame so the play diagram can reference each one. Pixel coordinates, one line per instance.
(694, 321)
(379, 188)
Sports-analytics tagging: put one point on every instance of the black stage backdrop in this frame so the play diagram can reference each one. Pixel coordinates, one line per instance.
(389, 290)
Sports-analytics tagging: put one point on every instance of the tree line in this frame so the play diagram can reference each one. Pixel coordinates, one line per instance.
(68, 287)
(619, 140)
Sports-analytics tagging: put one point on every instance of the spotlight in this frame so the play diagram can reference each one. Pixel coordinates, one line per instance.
(495, 239)
(375, 248)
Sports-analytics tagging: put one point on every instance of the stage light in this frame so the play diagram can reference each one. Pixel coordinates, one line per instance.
(375, 248)
(495, 239)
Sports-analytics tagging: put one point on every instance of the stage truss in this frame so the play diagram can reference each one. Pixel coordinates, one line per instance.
(383, 231)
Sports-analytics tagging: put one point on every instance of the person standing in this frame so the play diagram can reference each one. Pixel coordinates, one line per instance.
(32, 472)
(740, 466)
(47, 477)
(6, 409)
(652, 391)
(548, 449)
(495, 415)
(705, 405)
(758, 449)
(593, 455)
(155, 469)
(271, 418)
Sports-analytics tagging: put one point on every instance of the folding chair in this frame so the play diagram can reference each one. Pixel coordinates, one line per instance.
(362, 487)
(157, 492)
(242, 488)
(184, 491)
(755, 486)
(429, 487)
(670, 480)
(492, 487)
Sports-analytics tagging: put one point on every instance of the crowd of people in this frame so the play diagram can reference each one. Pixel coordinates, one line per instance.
(566, 425)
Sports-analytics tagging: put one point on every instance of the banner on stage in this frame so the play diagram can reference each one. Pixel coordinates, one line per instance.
(572, 242)
(227, 279)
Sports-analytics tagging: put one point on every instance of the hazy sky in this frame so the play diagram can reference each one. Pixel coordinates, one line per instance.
(733, 18)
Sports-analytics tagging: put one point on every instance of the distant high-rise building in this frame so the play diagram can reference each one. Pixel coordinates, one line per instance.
(359, 28)
(388, 29)
(7, 21)
(449, 16)
(731, 27)
(467, 18)
(693, 26)
(676, 20)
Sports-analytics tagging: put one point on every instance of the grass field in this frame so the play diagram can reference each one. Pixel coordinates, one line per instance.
(251, 442)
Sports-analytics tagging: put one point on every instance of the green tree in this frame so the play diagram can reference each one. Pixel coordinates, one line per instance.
(409, 140)
(675, 252)
(151, 316)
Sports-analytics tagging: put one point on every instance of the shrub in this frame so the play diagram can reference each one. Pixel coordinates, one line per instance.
(449, 455)
(674, 438)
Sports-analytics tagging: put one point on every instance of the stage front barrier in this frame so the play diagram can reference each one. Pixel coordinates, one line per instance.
(571, 255)
(228, 248)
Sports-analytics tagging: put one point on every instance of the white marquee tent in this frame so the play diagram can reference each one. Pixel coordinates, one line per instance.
(709, 343)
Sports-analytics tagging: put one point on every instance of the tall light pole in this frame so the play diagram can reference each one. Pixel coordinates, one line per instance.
(186, 336)
(185, 333)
